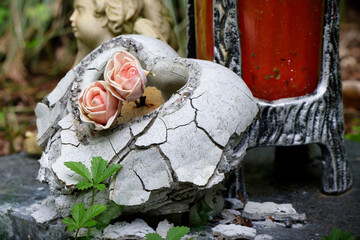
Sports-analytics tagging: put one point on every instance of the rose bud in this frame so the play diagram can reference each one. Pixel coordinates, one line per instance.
(98, 106)
(124, 73)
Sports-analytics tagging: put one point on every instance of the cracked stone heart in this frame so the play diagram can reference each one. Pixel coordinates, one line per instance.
(171, 156)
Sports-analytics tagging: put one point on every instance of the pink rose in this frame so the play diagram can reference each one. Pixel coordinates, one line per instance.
(98, 106)
(124, 73)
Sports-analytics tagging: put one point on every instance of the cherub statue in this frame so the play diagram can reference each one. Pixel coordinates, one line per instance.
(96, 21)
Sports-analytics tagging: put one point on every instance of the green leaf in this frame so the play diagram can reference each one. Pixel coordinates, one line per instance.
(93, 211)
(153, 236)
(325, 238)
(78, 213)
(72, 228)
(100, 187)
(110, 171)
(346, 236)
(89, 223)
(84, 185)
(98, 166)
(112, 211)
(80, 169)
(175, 233)
(68, 221)
(335, 234)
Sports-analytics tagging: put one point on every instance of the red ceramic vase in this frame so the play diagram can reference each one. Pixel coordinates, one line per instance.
(281, 44)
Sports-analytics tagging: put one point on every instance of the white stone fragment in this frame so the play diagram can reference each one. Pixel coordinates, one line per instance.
(184, 116)
(127, 188)
(280, 212)
(215, 179)
(234, 203)
(69, 137)
(223, 108)
(263, 237)
(123, 230)
(46, 119)
(229, 215)
(120, 139)
(67, 122)
(163, 227)
(156, 134)
(139, 126)
(269, 224)
(192, 154)
(151, 167)
(61, 88)
(44, 213)
(233, 231)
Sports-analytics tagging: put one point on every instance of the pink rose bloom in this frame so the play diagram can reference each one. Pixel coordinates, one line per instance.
(124, 73)
(98, 106)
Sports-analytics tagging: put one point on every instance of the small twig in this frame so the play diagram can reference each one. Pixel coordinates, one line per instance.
(141, 102)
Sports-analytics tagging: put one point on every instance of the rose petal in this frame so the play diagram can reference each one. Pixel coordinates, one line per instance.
(114, 92)
(130, 83)
(136, 92)
(99, 117)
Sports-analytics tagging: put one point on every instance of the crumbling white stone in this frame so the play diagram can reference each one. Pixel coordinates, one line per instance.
(263, 237)
(45, 119)
(163, 227)
(44, 212)
(269, 223)
(234, 203)
(216, 97)
(123, 230)
(128, 189)
(187, 144)
(233, 231)
(67, 122)
(156, 134)
(184, 116)
(280, 212)
(192, 160)
(138, 127)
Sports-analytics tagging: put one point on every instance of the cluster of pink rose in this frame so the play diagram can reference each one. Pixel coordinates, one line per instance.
(101, 102)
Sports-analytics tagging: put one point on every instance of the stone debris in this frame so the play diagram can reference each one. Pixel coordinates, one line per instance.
(233, 203)
(229, 215)
(263, 237)
(269, 224)
(123, 230)
(163, 227)
(233, 231)
(279, 212)
(44, 212)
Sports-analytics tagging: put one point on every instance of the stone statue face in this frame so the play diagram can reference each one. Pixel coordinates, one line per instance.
(87, 28)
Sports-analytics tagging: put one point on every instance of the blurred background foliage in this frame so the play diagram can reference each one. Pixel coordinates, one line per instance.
(37, 48)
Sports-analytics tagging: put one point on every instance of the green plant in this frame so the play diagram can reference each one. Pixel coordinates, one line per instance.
(337, 234)
(99, 172)
(354, 136)
(174, 233)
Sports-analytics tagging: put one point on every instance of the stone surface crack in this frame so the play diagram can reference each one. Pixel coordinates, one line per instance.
(116, 154)
(142, 183)
(70, 144)
(181, 125)
(204, 130)
(168, 163)
(200, 95)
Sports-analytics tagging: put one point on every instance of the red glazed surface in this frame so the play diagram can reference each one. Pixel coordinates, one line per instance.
(281, 42)
(204, 29)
